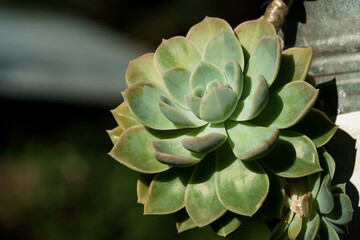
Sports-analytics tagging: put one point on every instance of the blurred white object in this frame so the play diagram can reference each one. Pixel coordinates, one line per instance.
(62, 58)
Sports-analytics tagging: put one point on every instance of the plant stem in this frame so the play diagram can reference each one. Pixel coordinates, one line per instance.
(276, 12)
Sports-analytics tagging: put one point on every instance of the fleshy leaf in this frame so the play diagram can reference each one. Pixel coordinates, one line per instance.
(327, 232)
(252, 106)
(177, 83)
(294, 156)
(340, 229)
(251, 228)
(142, 187)
(325, 199)
(274, 202)
(179, 116)
(288, 106)
(202, 32)
(171, 151)
(339, 188)
(123, 116)
(194, 104)
(209, 138)
(310, 227)
(165, 186)
(250, 32)
(142, 68)
(295, 227)
(249, 141)
(280, 229)
(115, 134)
(265, 60)
(218, 104)
(295, 63)
(317, 126)
(226, 224)
(183, 221)
(201, 201)
(176, 52)
(314, 183)
(133, 150)
(222, 48)
(241, 186)
(327, 162)
(234, 76)
(142, 100)
(342, 211)
(204, 73)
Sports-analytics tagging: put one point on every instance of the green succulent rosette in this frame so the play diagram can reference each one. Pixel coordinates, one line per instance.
(314, 208)
(211, 120)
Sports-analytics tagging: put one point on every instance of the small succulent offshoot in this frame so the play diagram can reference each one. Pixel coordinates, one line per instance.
(215, 121)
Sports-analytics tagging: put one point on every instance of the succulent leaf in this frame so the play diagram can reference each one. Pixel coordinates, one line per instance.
(179, 116)
(115, 134)
(295, 227)
(204, 73)
(252, 228)
(234, 76)
(295, 63)
(177, 83)
(244, 143)
(274, 203)
(252, 106)
(142, 68)
(294, 156)
(226, 224)
(209, 138)
(310, 227)
(327, 232)
(176, 52)
(222, 48)
(288, 106)
(202, 32)
(218, 105)
(265, 60)
(123, 116)
(142, 99)
(142, 187)
(201, 201)
(167, 185)
(325, 199)
(314, 183)
(339, 188)
(327, 162)
(317, 126)
(250, 32)
(183, 221)
(342, 212)
(133, 149)
(241, 186)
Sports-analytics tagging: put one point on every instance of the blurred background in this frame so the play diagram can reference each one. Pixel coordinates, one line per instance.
(62, 68)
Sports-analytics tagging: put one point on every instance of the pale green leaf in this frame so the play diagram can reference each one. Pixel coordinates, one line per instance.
(295, 227)
(204, 73)
(133, 149)
(342, 212)
(142, 187)
(234, 76)
(222, 48)
(295, 63)
(327, 232)
(177, 83)
(201, 201)
(123, 116)
(142, 68)
(226, 224)
(202, 32)
(327, 163)
(241, 186)
(193, 103)
(249, 141)
(317, 126)
(265, 60)
(176, 52)
(310, 227)
(338, 188)
(183, 221)
(288, 106)
(325, 201)
(218, 104)
(142, 99)
(250, 32)
(294, 156)
(167, 191)
(115, 134)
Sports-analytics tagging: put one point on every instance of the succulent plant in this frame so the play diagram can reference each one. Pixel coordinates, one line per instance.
(214, 119)
(315, 209)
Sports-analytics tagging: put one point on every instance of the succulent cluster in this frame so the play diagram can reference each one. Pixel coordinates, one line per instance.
(218, 122)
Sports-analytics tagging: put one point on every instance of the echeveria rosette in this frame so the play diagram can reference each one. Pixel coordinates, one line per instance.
(211, 120)
(315, 209)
